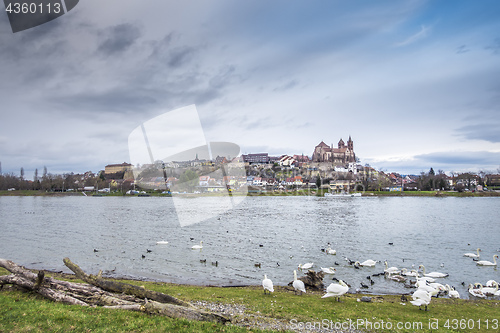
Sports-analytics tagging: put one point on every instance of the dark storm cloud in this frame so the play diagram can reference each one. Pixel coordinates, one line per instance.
(119, 38)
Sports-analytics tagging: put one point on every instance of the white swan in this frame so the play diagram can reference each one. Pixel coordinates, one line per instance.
(267, 284)
(328, 270)
(488, 263)
(422, 285)
(476, 292)
(329, 250)
(297, 284)
(421, 297)
(433, 274)
(368, 263)
(197, 247)
(491, 283)
(405, 272)
(452, 292)
(161, 243)
(336, 290)
(390, 269)
(488, 291)
(306, 265)
(473, 255)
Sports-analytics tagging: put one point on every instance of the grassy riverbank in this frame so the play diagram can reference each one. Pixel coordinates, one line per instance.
(251, 310)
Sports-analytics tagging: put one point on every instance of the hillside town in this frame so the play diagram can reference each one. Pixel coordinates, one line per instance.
(333, 168)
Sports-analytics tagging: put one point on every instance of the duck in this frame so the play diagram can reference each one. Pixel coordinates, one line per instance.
(306, 265)
(421, 297)
(197, 247)
(368, 263)
(161, 243)
(390, 269)
(473, 255)
(433, 274)
(329, 250)
(336, 290)
(297, 284)
(452, 292)
(488, 263)
(267, 284)
(328, 270)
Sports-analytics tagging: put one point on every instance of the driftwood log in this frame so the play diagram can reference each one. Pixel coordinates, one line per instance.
(312, 280)
(100, 292)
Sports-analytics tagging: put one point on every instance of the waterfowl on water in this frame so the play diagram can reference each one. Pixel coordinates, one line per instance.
(197, 247)
(368, 263)
(433, 274)
(473, 255)
(488, 263)
(390, 269)
(328, 270)
(306, 265)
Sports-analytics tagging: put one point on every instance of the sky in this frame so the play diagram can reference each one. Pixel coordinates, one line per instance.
(416, 84)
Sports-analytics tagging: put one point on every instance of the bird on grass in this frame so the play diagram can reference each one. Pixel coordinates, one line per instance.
(267, 284)
(297, 284)
(336, 290)
(421, 297)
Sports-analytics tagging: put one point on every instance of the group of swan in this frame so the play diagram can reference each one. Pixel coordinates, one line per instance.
(482, 262)
(194, 247)
(478, 290)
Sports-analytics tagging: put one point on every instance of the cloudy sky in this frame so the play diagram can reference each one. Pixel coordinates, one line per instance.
(415, 83)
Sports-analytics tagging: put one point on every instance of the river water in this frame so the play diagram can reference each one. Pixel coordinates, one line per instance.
(114, 233)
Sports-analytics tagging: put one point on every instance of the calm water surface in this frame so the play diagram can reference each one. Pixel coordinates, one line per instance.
(277, 232)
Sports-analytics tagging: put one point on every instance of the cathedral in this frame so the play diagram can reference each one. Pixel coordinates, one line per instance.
(337, 156)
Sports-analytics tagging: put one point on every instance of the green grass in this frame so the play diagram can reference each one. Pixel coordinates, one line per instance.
(26, 311)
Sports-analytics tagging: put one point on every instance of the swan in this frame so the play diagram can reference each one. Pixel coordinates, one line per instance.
(197, 247)
(405, 272)
(329, 250)
(421, 297)
(476, 292)
(395, 277)
(297, 284)
(490, 283)
(336, 290)
(306, 265)
(433, 274)
(369, 263)
(161, 243)
(488, 263)
(473, 255)
(328, 270)
(425, 287)
(488, 291)
(390, 269)
(452, 292)
(267, 284)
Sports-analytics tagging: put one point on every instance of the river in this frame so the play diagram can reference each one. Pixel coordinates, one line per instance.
(115, 233)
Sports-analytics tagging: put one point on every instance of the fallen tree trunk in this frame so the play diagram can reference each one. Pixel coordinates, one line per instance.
(100, 292)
